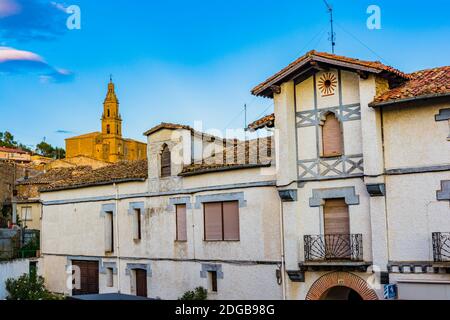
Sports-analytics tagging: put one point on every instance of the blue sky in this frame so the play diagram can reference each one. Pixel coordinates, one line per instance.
(182, 61)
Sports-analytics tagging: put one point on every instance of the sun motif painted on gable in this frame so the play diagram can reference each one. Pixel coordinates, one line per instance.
(327, 84)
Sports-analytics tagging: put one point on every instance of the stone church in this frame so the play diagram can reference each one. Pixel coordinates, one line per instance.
(108, 145)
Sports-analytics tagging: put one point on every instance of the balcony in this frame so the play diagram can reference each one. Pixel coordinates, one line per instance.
(441, 246)
(334, 252)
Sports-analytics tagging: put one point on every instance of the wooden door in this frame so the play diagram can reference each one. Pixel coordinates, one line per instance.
(337, 229)
(141, 283)
(88, 277)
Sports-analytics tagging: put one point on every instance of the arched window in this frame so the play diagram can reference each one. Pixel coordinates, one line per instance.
(165, 162)
(332, 141)
(109, 114)
(108, 129)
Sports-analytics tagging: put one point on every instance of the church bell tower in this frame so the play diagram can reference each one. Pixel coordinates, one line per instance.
(111, 119)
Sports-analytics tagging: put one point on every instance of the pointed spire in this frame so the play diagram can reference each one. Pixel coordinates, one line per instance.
(111, 95)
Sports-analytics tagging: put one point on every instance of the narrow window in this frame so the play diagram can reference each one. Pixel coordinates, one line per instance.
(109, 277)
(26, 214)
(137, 224)
(109, 114)
(221, 220)
(212, 279)
(181, 222)
(332, 140)
(109, 232)
(108, 129)
(165, 162)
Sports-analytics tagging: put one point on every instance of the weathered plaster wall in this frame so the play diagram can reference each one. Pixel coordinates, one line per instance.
(11, 270)
(413, 137)
(414, 214)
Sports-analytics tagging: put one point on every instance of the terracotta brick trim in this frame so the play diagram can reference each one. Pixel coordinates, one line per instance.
(341, 279)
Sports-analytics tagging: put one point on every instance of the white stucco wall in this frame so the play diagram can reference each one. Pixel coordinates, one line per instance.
(413, 138)
(11, 270)
(414, 214)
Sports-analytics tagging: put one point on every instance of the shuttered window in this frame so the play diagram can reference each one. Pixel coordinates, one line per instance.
(231, 221)
(165, 162)
(109, 232)
(221, 221)
(336, 217)
(332, 140)
(181, 222)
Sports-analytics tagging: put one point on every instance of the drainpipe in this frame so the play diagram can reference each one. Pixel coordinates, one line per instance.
(282, 245)
(116, 188)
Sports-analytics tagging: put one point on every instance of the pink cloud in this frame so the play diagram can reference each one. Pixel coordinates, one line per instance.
(14, 61)
(8, 8)
(11, 54)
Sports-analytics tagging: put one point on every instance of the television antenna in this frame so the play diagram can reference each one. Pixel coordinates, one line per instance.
(332, 34)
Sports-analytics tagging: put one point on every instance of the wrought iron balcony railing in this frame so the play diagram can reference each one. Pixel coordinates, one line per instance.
(334, 247)
(441, 246)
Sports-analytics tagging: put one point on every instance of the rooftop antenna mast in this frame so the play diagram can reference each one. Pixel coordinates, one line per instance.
(332, 34)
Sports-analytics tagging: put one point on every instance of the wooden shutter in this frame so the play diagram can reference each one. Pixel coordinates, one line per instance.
(332, 137)
(141, 283)
(336, 217)
(89, 283)
(231, 221)
(166, 163)
(181, 222)
(213, 221)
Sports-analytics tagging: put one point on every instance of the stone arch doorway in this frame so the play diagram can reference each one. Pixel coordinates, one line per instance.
(341, 286)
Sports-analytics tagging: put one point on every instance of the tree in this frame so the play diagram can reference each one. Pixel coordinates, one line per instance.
(7, 140)
(199, 293)
(47, 150)
(29, 287)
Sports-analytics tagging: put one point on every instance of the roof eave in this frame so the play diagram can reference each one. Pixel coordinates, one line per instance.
(221, 169)
(93, 184)
(410, 99)
(264, 91)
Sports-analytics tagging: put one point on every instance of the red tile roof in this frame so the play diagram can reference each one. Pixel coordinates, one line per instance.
(13, 150)
(328, 58)
(267, 121)
(121, 172)
(241, 156)
(426, 83)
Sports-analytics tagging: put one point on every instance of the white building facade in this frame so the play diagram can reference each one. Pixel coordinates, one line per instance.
(355, 197)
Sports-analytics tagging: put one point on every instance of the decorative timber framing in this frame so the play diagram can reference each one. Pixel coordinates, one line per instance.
(221, 197)
(206, 267)
(337, 167)
(320, 195)
(344, 113)
(321, 168)
(444, 193)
